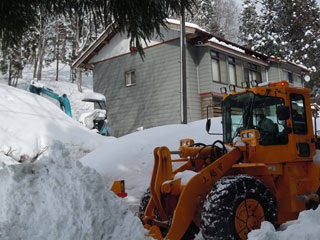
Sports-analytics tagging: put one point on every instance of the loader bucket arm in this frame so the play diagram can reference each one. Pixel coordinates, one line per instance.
(162, 171)
(192, 194)
(196, 189)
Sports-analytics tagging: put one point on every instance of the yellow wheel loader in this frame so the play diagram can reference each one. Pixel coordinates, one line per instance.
(263, 170)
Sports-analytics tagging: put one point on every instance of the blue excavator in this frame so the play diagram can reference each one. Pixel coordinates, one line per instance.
(95, 120)
(39, 89)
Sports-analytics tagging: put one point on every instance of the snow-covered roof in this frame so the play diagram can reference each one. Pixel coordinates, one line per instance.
(94, 97)
(187, 24)
(86, 54)
(196, 35)
(233, 47)
(302, 67)
(110, 32)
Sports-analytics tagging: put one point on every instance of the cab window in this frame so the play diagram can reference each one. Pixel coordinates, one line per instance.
(298, 114)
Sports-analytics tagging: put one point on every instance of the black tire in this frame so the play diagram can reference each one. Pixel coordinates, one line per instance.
(313, 204)
(227, 199)
(144, 202)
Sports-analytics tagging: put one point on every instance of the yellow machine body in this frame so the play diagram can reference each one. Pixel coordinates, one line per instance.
(292, 177)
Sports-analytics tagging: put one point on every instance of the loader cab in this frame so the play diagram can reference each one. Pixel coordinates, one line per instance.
(254, 111)
(289, 132)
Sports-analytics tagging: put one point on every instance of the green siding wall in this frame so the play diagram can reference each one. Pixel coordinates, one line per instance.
(193, 97)
(154, 100)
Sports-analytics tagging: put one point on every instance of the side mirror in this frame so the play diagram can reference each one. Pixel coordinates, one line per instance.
(208, 125)
(283, 113)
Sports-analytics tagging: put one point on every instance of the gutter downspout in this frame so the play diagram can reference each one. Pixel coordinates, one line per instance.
(183, 100)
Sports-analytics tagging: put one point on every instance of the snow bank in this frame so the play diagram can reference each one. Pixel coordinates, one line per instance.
(306, 227)
(59, 198)
(131, 157)
(29, 124)
(75, 97)
(316, 157)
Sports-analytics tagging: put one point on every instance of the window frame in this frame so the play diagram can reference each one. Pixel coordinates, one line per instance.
(296, 76)
(289, 74)
(217, 59)
(251, 68)
(133, 83)
(232, 63)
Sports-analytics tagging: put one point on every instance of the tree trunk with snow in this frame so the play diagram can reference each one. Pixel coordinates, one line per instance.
(79, 76)
(10, 72)
(57, 52)
(41, 48)
(41, 55)
(35, 63)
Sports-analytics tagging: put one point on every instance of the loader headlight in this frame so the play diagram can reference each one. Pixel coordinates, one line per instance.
(232, 88)
(244, 85)
(223, 90)
(254, 83)
(250, 134)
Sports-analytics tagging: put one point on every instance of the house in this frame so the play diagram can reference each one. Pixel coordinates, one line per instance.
(146, 93)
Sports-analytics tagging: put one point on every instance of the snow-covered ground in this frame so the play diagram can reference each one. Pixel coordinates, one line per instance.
(45, 192)
(55, 173)
(131, 157)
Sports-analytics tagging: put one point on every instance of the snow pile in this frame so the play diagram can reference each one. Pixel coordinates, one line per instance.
(185, 176)
(131, 157)
(306, 227)
(316, 157)
(30, 123)
(71, 90)
(238, 143)
(59, 198)
(64, 85)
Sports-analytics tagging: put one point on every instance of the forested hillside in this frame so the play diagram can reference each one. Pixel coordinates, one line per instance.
(289, 29)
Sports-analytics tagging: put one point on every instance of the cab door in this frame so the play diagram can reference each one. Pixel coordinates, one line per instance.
(301, 126)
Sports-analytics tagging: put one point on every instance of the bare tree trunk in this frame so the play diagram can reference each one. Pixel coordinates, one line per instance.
(57, 56)
(16, 78)
(36, 57)
(40, 49)
(76, 50)
(41, 59)
(10, 73)
(79, 76)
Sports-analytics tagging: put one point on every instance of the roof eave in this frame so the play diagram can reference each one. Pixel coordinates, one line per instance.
(83, 59)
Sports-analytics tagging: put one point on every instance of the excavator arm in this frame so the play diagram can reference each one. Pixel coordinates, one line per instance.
(62, 99)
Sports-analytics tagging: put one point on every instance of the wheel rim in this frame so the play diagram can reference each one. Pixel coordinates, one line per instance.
(249, 216)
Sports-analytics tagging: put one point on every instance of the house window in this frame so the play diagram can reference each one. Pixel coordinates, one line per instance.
(215, 66)
(252, 73)
(297, 80)
(232, 70)
(130, 78)
(287, 76)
